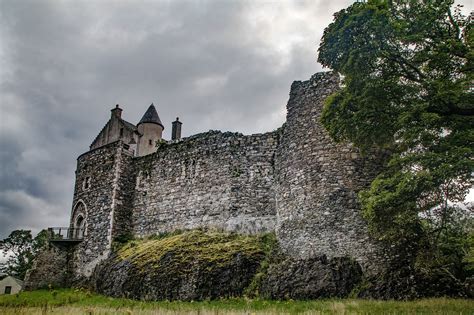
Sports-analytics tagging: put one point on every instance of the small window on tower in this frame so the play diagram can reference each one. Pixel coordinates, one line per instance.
(87, 183)
(150, 142)
(121, 132)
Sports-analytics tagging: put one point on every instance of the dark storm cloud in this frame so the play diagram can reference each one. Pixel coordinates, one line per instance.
(217, 64)
(63, 64)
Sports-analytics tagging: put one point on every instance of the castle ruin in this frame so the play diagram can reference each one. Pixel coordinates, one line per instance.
(295, 181)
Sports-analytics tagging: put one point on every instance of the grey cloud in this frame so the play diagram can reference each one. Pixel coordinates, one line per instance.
(209, 62)
(217, 64)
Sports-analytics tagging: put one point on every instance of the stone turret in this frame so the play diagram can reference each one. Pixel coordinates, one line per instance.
(151, 130)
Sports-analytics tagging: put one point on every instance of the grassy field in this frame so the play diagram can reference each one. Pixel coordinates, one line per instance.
(68, 301)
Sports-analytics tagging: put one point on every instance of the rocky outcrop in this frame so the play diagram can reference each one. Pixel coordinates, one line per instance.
(312, 278)
(197, 265)
(194, 265)
(408, 284)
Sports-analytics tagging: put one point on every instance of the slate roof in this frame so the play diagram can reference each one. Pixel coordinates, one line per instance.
(128, 125)
(151, 116)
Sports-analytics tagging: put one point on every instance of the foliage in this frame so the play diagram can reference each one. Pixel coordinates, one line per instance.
(69, 301)
(21, 249)
(407, 69)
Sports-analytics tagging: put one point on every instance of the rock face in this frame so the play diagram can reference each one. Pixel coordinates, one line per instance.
(311, 278)
(408, 284)
(194, 265)
(197, 265)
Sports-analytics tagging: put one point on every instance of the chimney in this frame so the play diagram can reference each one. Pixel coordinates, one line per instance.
(176, 129)
(116, 112)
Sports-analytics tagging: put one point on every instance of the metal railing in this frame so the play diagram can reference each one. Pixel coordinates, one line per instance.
(65, 234)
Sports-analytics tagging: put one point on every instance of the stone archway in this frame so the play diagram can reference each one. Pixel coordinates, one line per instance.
(79, 226)
(78, 223)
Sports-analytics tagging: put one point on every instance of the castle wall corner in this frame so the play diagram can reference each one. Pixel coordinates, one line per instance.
(103, 197)
(317, 181)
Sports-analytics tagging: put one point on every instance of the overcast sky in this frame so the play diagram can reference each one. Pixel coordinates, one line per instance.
(224, 65)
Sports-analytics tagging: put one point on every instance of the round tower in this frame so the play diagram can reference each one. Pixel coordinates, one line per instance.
(151, 130)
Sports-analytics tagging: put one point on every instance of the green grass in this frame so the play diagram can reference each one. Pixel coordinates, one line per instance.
(70, 301)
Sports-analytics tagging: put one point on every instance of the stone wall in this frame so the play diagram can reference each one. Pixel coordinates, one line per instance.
(215, 179)
(317, 182)
(50, 269)
(106, 200)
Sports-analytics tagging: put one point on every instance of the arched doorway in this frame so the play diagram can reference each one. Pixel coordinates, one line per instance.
(79, 227)
(78, 221)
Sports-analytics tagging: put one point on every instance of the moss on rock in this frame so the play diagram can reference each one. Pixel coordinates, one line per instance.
(191, 265)
(208, 264)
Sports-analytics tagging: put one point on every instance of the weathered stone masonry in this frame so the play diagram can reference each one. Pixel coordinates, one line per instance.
(317, 182)
(295, 180)
(105, 199)
(222, 180)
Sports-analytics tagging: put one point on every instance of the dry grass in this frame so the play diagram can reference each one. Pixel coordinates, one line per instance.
(74, 302)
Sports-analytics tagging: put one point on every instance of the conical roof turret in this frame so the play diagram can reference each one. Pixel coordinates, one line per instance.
(151, 116)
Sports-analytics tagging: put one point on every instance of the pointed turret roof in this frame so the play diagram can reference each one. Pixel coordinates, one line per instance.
(151, 116)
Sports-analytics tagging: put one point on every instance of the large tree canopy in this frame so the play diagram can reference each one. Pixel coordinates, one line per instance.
(408, 88)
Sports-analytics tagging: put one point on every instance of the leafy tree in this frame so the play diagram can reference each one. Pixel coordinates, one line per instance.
(21, 249)
(408, 88)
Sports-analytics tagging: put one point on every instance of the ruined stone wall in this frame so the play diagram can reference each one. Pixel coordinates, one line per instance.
(317, 182)
(49, 270)
(105, 200)
(222, 180)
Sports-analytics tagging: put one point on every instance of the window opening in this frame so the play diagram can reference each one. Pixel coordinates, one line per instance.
(87, 183)
(79, 227)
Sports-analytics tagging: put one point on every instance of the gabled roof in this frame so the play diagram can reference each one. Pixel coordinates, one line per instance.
(18, 281)
(128, 125)
(151, 116)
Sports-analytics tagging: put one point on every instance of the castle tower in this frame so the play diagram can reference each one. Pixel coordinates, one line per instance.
(318, 181)
(151, 130)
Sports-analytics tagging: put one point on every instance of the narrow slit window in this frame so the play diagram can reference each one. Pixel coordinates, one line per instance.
(150, 142)
(87, 183)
